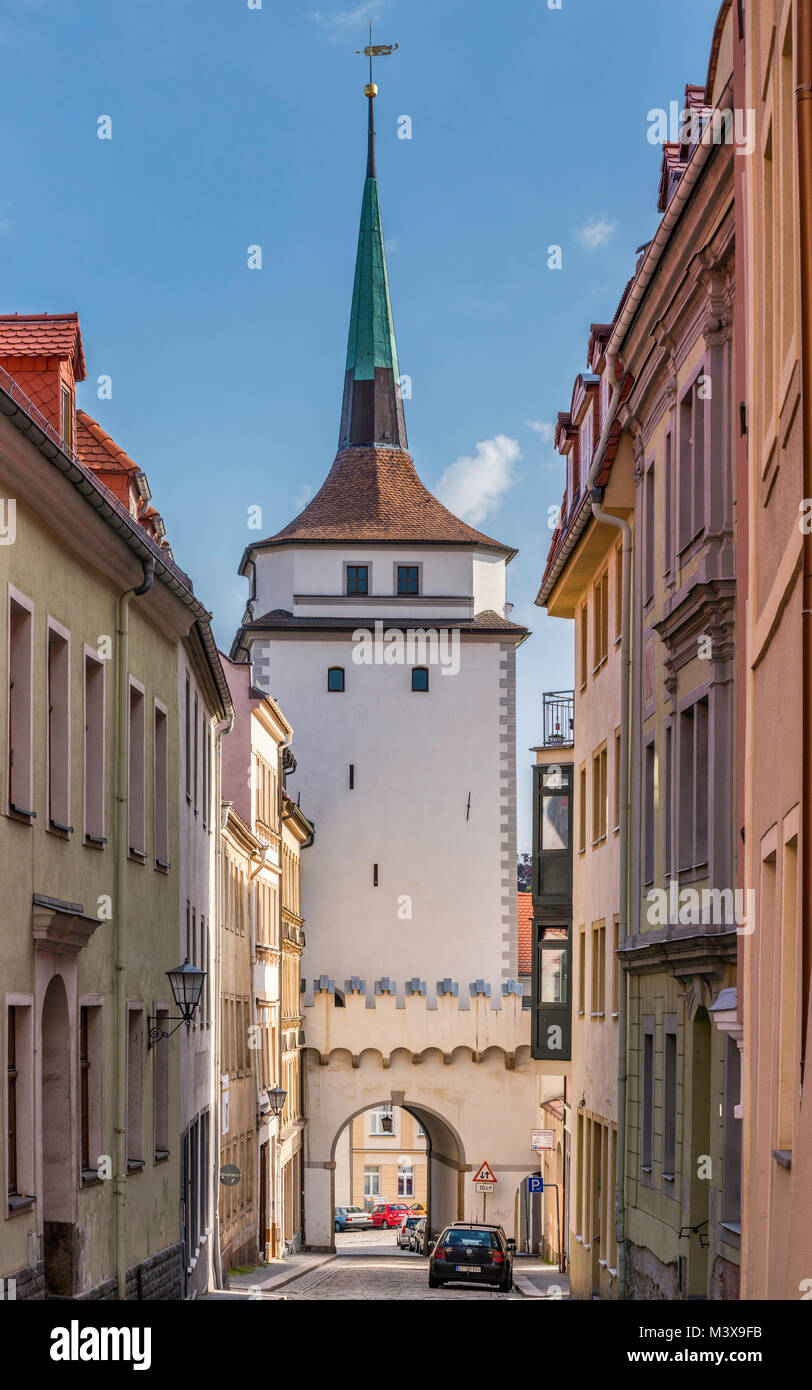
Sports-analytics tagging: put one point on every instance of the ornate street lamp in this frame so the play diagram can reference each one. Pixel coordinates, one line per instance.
(276, 1098)
(386, 1123)
(187, 986)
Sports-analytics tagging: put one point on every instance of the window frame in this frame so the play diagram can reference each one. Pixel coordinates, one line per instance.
(93, 822)
(420, 689)
(18, 602)
(409, 593)
(367, 589)
(57, 743)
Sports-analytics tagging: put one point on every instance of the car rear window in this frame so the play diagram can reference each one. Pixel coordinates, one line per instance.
(352, 1208)
(488, 1239)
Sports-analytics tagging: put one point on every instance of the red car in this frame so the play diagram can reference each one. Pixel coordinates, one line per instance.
(387, 1214)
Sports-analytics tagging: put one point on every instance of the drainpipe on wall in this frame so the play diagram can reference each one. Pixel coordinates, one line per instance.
(120, 911)
(803, 114)
(596, 497)
(220, 732)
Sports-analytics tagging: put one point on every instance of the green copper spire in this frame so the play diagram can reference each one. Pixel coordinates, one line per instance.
(372, 410)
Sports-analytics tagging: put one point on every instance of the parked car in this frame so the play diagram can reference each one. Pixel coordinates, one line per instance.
(352, 1218)
(387, 1214)
(406, 1231)
(419, 1208)
(420, 1235)
(472, 1254)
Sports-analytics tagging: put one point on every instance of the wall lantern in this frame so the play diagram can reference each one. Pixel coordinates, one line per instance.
(187, 986)
(276, 1098)
(386, 1123)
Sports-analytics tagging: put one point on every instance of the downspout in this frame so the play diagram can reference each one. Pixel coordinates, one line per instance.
(596, 497)
(220, 732)
(120, 912)
(803, 112)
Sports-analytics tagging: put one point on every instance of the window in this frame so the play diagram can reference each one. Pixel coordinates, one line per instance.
(585, 449)
(647, 1096)
(600, 620)
(408, 579)
(20, 695)
(94, 750)
(196, 766)
(767, 296)
(67, 417)
(648, 826)
(732, 1136)
(693, 786)
(692, 463)
(582, 810)
(58, 727)
(618, 592)
(669, 1098)
(668, 485)
(789, 1047)
(668, 777)
(420, 678)
(581, 970)
(599, 796)
(136, 833)
(552, 987)
(205, 754)
(19, 1102)
(648, 539)
(135, 1088)
(582, 661)
(376, 1118)
(372, 1183)
(405, 1180)
(335, 679)
(91, 1089)
(615, 964)
(161, 790)
(599, 970)
(357, 578)
(188, 733)
(617, 783)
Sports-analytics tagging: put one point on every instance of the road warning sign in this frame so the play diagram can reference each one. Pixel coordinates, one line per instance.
(485, 1174)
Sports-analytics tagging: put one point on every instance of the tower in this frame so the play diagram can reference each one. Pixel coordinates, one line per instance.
(379, 621)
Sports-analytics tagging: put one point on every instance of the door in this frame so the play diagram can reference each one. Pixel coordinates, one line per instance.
(58, 1178)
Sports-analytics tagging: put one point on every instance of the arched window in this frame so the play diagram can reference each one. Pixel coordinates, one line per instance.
(335, 678)
(420, 678)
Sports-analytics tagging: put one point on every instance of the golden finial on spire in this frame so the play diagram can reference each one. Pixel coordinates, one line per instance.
(378, 50)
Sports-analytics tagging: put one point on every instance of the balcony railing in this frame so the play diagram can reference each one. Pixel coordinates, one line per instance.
(558, 719)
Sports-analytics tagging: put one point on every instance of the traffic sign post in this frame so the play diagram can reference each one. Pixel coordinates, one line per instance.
(484, 1182)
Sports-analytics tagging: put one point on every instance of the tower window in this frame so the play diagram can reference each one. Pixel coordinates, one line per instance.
(408, 579)
(357, 579)
(67, 417)
(420, 678)
(335, 679)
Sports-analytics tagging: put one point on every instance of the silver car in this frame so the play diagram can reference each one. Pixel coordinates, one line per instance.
(406, 1231)
(352, 1219)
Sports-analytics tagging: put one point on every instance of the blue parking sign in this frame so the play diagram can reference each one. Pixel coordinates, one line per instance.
(535, 1184)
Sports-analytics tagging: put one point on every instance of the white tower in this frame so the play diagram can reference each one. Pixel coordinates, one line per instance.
(378, 621)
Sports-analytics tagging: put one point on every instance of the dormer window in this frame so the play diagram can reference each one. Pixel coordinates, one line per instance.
(408, 579)
(357, 579)
(67, 417)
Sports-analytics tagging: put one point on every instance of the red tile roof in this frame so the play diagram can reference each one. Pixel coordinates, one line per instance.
(43, 335)
(525, 933)
(374, 495)
(97, 448)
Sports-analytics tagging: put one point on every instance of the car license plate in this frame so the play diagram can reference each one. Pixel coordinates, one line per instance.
(469, 1269)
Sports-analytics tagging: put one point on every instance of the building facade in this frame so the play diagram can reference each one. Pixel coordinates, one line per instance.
(96, 615)
(772, 1021)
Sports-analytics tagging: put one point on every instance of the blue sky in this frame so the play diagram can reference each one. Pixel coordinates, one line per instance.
(233, 127)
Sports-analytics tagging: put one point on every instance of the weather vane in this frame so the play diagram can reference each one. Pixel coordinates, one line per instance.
(378, 50)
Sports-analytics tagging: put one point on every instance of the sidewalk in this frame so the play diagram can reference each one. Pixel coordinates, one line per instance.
(536, 1279)
(269, 1277)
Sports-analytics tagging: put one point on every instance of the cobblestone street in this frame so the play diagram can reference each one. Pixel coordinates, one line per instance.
(363, 1278)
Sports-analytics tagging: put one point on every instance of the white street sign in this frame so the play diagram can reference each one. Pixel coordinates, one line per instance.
(542, 1139)
(485, 1186)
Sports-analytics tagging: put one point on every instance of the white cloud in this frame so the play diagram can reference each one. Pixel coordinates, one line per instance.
(338, 21)
(392, 246)
(543, 428)
(304, 496)
(595, 232)
(474, 487)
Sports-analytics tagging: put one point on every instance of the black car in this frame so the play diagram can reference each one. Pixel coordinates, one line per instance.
(472, 1254)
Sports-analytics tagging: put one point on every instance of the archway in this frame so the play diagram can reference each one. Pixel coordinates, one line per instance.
(59, 1227)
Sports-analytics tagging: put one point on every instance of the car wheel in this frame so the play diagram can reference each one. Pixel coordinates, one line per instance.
(435, 1283)
(384, 1225)
(338, 1226)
